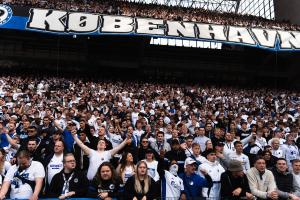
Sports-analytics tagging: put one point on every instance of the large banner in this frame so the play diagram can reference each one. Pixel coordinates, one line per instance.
(74, 23)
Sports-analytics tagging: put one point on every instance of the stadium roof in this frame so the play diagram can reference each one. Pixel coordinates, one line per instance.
(262, 8)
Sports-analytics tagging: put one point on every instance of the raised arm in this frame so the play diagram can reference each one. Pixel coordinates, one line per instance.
(56, 124)
(84, 148)
(12, 142)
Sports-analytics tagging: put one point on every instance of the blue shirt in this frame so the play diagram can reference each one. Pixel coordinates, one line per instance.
(193, 185)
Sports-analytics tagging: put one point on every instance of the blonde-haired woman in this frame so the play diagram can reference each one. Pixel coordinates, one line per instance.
(140, 186)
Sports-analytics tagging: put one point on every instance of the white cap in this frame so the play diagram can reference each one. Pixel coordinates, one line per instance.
(189, 161)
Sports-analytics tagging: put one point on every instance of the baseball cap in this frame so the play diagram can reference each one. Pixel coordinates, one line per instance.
(189, 161)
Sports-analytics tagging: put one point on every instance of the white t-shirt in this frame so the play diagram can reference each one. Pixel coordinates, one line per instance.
(279, 153)
(18, 189)
(128, 172)
(242, 158)
(6, 167)
(152, 169)
(55, 166)
(171, 186)
(115, 139)
(96, 159)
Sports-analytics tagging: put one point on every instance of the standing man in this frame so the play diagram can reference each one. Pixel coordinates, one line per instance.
(193, 183)
(238, 155)
(54, 162)
(25, 180)
(214, 170)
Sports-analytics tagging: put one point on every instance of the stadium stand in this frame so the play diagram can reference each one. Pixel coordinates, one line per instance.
(159, 12)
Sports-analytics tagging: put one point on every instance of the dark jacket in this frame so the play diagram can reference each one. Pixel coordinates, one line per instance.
(229, 184)
(284, 182)
(112, 187)
(78, 183)
(130, 192)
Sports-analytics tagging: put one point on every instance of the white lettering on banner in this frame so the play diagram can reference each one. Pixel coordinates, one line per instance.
(179, 29)
(117, 24)
(289, 40)
(266, 38)
(83, 22)
(211, 32)
(240, 35)
(49, 20)
(149, 26)
(77, 22)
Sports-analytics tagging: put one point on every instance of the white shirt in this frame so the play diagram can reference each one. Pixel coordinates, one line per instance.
(115, 139)
(152, 169)
(96, 159)
(242, 158)
(171, 186)
(55, 166)
(214, 170)
(291, 153)
(138, 133)
(201, 159)
(279, 153)
(228, 148)
(18, 189)
(128, 172)
(6, 167)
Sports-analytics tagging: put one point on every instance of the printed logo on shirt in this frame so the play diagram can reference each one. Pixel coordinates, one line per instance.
(5, 14)
(151, 172)
(75, 180)
(173, 183)
(112, 186)
(55, 166)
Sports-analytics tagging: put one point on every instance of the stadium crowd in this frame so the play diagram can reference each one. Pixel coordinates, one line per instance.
(139, 9)
(69, 138)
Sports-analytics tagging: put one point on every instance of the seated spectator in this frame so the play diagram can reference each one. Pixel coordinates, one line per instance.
(261, 181)
(234, 183)
(68, 183)
(284, 180)
(106, 183)
(296, 177)
(141, 185)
